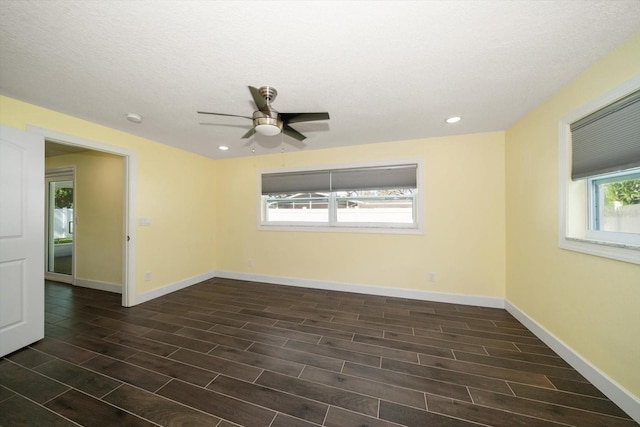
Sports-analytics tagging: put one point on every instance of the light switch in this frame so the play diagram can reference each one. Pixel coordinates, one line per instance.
(144, 221)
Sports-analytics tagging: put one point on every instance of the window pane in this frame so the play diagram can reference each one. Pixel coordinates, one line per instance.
(376, 206)
(618, 204)
(298, 207)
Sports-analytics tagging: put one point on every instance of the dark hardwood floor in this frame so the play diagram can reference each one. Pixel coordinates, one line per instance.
(224, 353)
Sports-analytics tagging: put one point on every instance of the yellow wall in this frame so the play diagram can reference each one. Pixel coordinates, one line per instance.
(463, 243)
(464, 234)
(174, 188)
(588, 302)
(98, 212)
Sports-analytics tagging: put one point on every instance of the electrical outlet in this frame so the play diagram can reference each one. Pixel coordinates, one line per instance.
(250, 262)
(147, 276)
(431, 276)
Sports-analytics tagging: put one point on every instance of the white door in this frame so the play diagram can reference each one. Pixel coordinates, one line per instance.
(21, 239)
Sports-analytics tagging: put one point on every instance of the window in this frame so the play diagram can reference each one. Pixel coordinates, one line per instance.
(600, 176)
(615, 205)
(373, 197)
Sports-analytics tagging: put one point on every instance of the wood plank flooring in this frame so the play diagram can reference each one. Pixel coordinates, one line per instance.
(231, 353)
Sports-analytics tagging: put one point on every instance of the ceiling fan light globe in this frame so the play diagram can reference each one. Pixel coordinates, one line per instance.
(268, 130)
(267, 123)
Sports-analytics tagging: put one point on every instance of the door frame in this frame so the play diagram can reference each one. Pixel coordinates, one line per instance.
(49, 174)
(130, 160)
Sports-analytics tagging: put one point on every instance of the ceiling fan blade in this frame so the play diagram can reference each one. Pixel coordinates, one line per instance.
(222, 114)
(261, 103)
(249, 133)
(303, 117)
(245, 127)
(288, 130)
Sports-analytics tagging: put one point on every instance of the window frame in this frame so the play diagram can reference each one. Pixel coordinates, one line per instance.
(575, 210)
(332, 225)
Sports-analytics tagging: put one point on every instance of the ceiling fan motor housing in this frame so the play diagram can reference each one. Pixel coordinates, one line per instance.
(268, 93)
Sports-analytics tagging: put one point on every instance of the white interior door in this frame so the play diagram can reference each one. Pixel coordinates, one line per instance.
(21, 239)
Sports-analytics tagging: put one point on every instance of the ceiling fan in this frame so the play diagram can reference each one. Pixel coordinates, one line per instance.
(269, 122)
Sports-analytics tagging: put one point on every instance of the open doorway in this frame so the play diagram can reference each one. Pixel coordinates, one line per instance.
(89, 245)
(85, 228)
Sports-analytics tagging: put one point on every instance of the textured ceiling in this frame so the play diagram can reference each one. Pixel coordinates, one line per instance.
(385, 71)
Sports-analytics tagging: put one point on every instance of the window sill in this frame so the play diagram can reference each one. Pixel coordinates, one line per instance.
(617, 251)
(341, 229)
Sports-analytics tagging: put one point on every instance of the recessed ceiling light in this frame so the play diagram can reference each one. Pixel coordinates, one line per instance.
(223, 148)
(454, 119)
(134, 118)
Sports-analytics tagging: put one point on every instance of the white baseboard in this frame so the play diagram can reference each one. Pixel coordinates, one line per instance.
(101, 286)
(172, 287)
(494, 302)
(614, 391)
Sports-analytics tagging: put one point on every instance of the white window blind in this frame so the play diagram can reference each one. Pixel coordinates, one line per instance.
(401, 176)
(379, 177)
(296, 182)
(607, 140)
